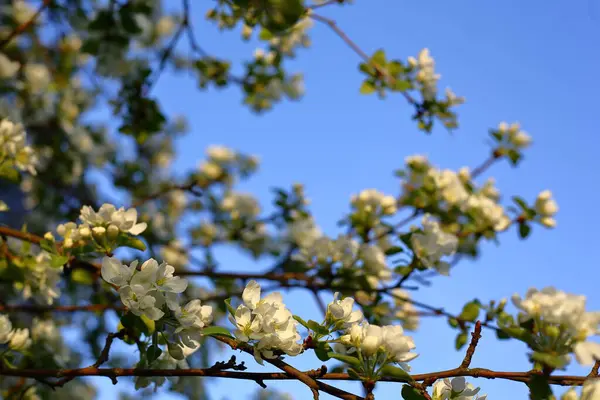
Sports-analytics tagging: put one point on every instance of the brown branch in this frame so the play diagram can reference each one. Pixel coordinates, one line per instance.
(188, 187)
(382, 71)
(518, 376)
(308, 380)
(24, 26)
(475, 336)
(28, 237)
(594, 372)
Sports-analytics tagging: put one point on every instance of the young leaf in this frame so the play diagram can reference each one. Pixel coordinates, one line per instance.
(395, 372)
(153, 353)
(317, 328)
(539, 388)
(301, 321)
(355, 362)
(216, 331)
(229, 307)
(410, 393)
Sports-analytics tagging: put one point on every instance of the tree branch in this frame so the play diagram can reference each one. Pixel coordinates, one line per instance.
(518, 376)
(24, 26)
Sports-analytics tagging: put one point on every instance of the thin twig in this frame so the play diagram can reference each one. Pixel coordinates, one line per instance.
(475, 336)
(24, 26)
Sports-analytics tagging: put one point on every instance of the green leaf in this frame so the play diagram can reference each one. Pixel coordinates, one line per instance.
(395, 372)
(216, 331)
(539, 388)
(317, 328)
(355, 362)
(301, 321)
(354, 374)
(410, 393)
(367, 87)
(229, 307)
(48, 245)
(148, 326)
(470, 311)
(401, 85)
(524, 230)
(153, 353)
(134, 243)
(460, 341)
(379, 58)
(549, 359)
(500, 334)
(82, 277)
(280, 15)
(322, 351)
(265, 34)
(393, 250)
(58, 260)
(128, 20)
(520, 202)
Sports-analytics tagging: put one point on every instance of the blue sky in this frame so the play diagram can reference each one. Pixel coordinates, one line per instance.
(534, 62)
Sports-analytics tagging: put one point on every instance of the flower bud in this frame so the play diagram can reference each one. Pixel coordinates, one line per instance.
(85, 232)
(61, 230)
(98, 232)
(112, 232)
(49, 236)
(68, 243)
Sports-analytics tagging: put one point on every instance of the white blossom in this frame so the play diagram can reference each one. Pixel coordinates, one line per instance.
(552, 307)
(108, 215)
(431, 245)
(266, 323)
(37, 77)
(13, 147)
(240, 205)
(194, 314)
(591, 389)
(5, 329)
(340, 311)
(455, 388)
(546, 208)
(370, 339)
(8, 68)
(426, 75)
(405, 311)
(19, 339)
(372, 201)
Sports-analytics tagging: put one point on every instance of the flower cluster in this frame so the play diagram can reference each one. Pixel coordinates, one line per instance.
(221, 165)
(512, 137)
(370, 341)
(404, 310)
(546, 208)
(562, 317)
(103, 227)
(240, 206)
(426, 75)
(17, 338)
(371, 204)
(426, 185)
(147, 290)
(13, 148)
(432, 243)
(266, 323)
(455, 389)
(151, 291)
(42, 280)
